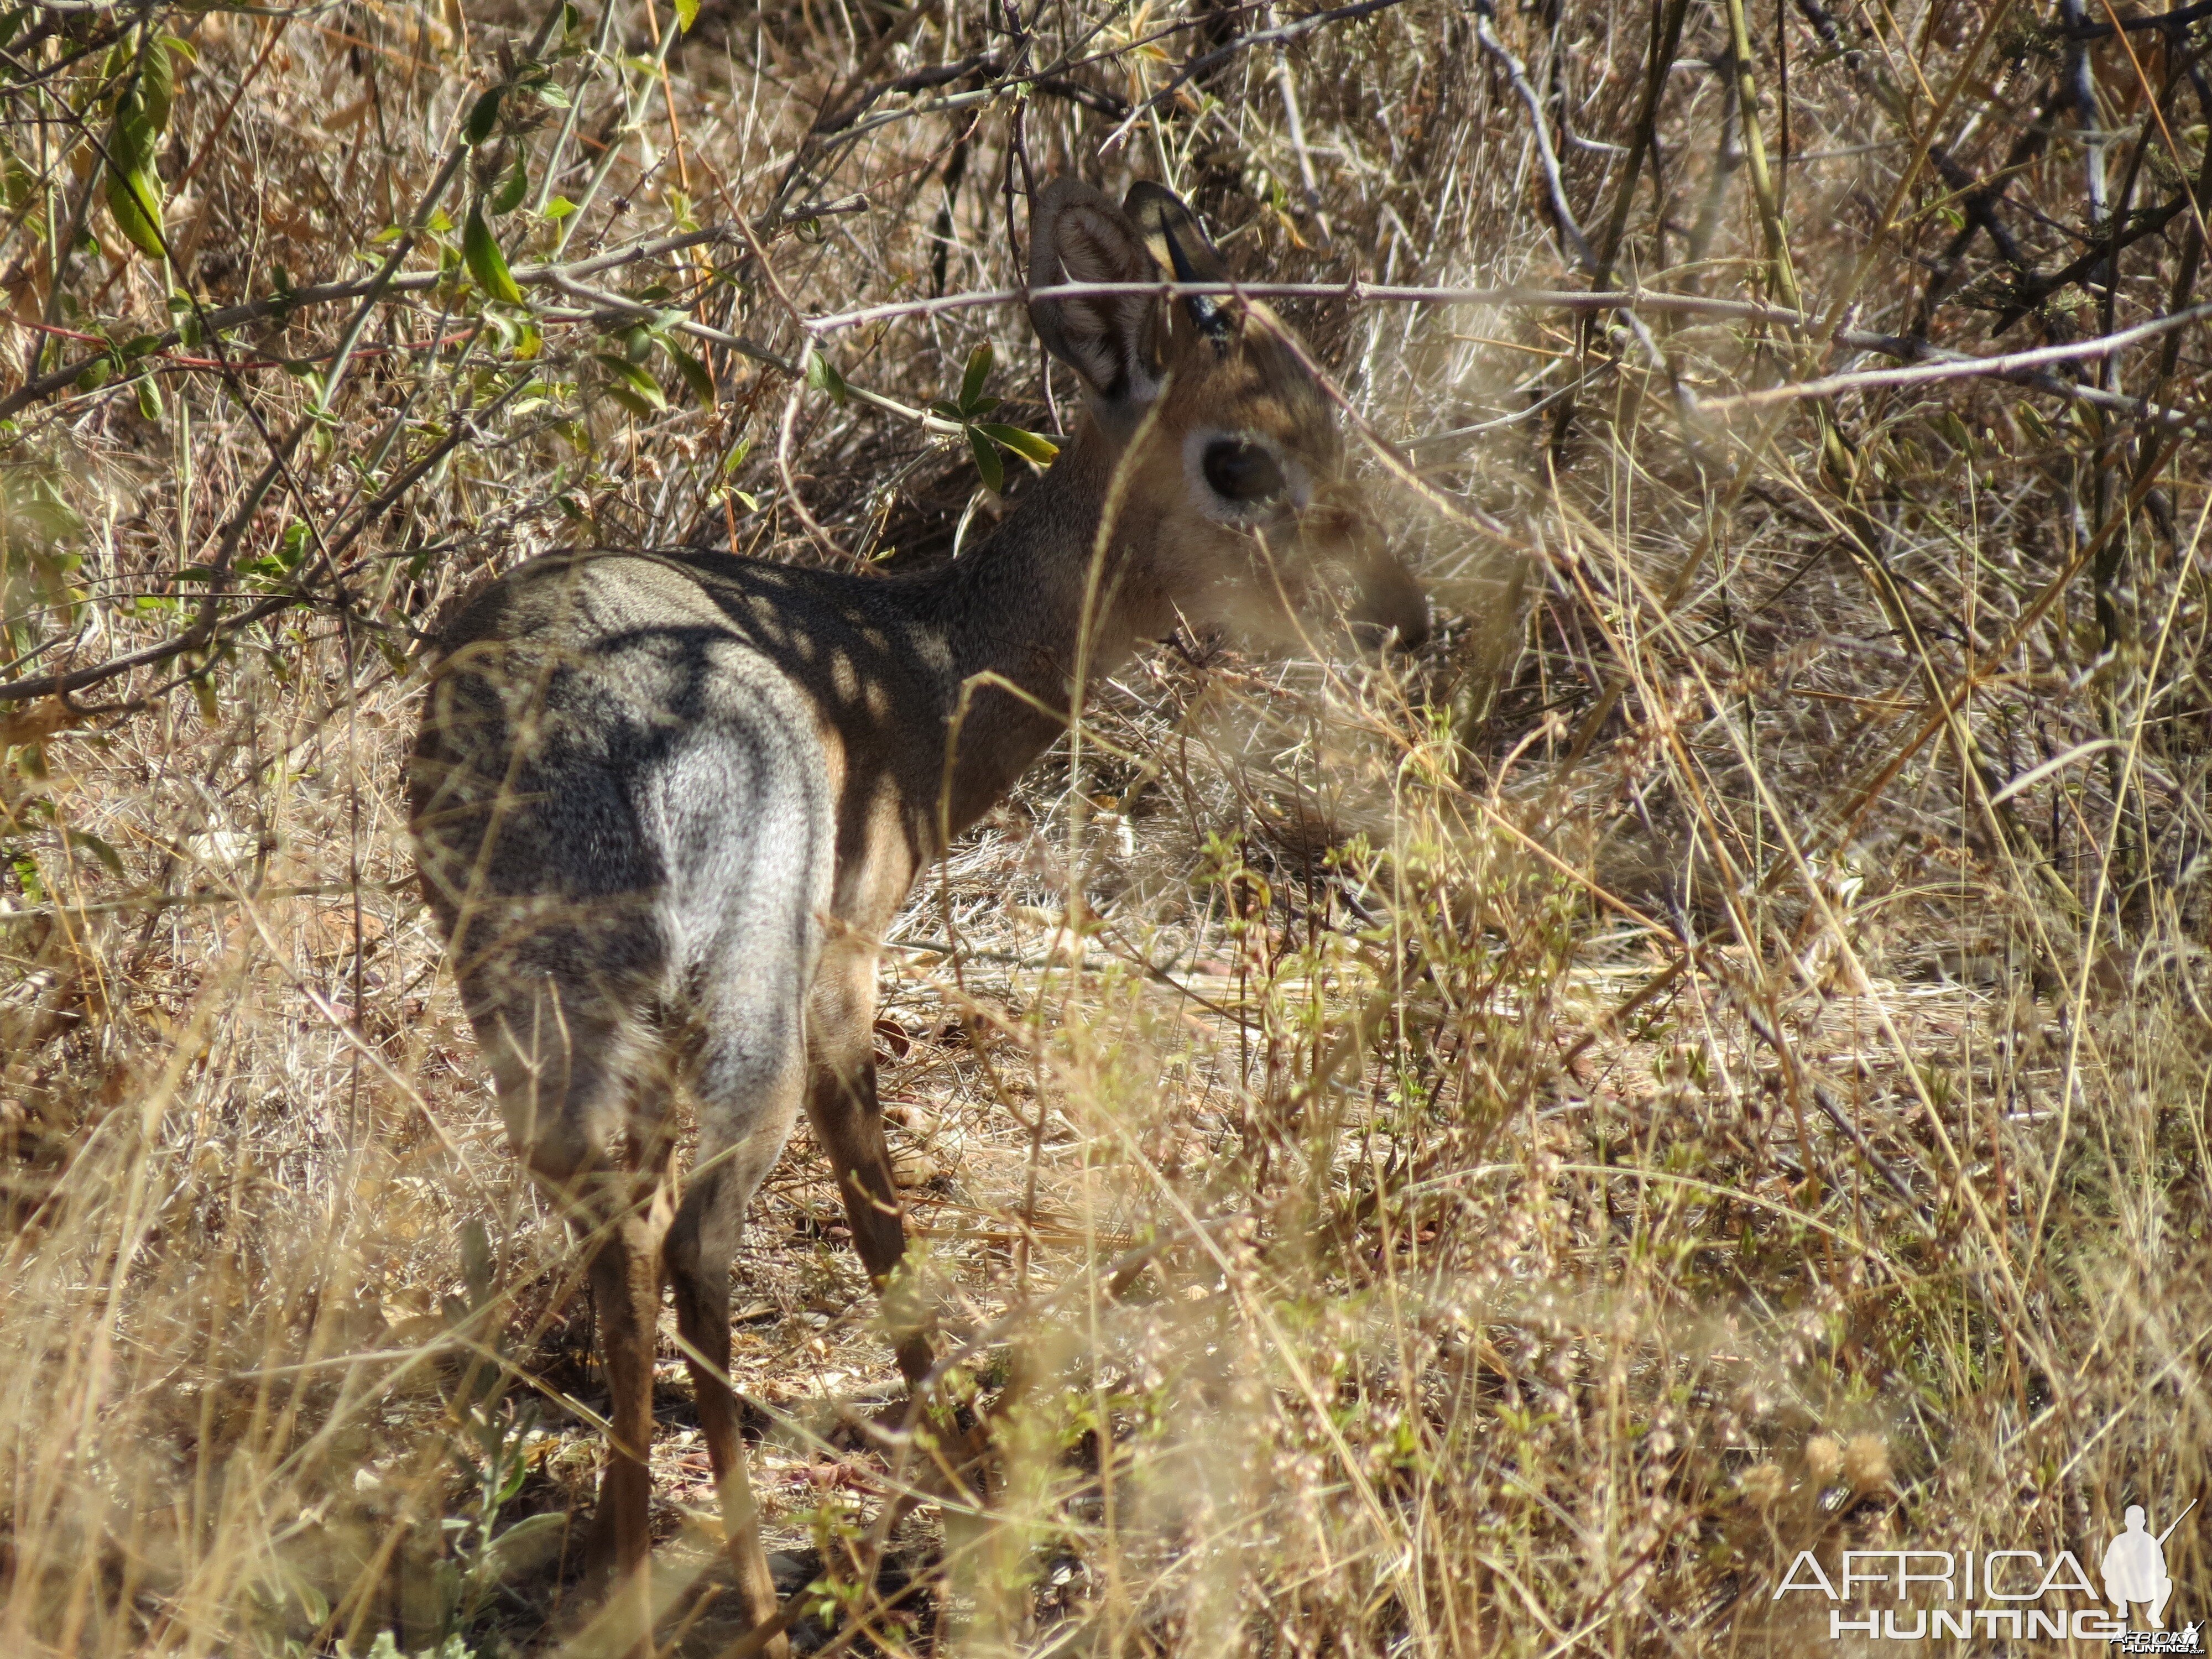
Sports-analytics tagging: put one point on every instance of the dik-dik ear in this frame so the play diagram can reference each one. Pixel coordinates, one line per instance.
(1172, 232)
(1114, 342)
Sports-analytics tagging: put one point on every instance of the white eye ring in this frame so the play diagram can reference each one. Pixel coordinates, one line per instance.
(1204, 465)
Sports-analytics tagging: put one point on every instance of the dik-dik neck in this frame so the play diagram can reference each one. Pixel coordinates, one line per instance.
(1023, 608)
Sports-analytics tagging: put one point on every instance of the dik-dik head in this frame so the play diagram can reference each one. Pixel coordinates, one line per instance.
(1232, 497)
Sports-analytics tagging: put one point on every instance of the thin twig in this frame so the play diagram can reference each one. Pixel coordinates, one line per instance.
(1563, 215)
(1960, 368)
(1353, 293)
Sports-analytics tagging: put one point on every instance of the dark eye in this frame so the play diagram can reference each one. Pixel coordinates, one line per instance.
(1241, 472)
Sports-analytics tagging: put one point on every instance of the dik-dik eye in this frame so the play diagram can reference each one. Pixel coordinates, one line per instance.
(1242, 472)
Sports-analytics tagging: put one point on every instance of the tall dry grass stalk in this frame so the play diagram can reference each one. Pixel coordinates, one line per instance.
(1491, 1152)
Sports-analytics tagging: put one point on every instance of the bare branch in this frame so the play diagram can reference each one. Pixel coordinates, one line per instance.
(1357, 293)
(1961, 368)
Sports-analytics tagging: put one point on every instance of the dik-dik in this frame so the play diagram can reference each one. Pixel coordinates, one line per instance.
(666, 804)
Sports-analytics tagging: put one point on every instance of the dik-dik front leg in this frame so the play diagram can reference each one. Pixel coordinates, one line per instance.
(840, 1103)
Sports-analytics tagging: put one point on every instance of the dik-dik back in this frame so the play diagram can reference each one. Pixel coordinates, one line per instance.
(665, 805)
(635, 764)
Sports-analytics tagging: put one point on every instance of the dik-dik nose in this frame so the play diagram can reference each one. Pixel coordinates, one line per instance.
(1391, 602)
(1388, 603)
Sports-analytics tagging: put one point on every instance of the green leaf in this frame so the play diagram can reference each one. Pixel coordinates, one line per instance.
(157, 82)
(987, 460)
(687, 14)
(822, 375)
(480, 248)
(528, 1543)
(552, 96)
(971, 382)
(694, 373)
(477, 1259)
(559, 209)
(131, 147)
(1030, 445)
(312, 1601)
(630, 400)
(26, 867)
(134, 199)
(83, 841)
(625, 377)
(508, 195)
(483, 116)
(150, 399)
(96, 374)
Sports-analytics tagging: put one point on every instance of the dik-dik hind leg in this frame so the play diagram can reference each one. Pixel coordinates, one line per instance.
(841, 1105)
(625, 1275)
(569, 1077)
(747, 1075)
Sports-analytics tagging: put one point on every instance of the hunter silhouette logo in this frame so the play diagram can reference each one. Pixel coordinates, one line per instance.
(2135, 1567)
(2136, 1575)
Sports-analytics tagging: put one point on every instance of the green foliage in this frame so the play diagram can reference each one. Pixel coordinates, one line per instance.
(145, 82)
(629, 383)
(695, 377)
(823, 376)
(512, 189)
(986, 438)
(483, 116)
(486, 264)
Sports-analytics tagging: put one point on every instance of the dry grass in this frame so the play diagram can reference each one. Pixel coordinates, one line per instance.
(1491, 1152)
